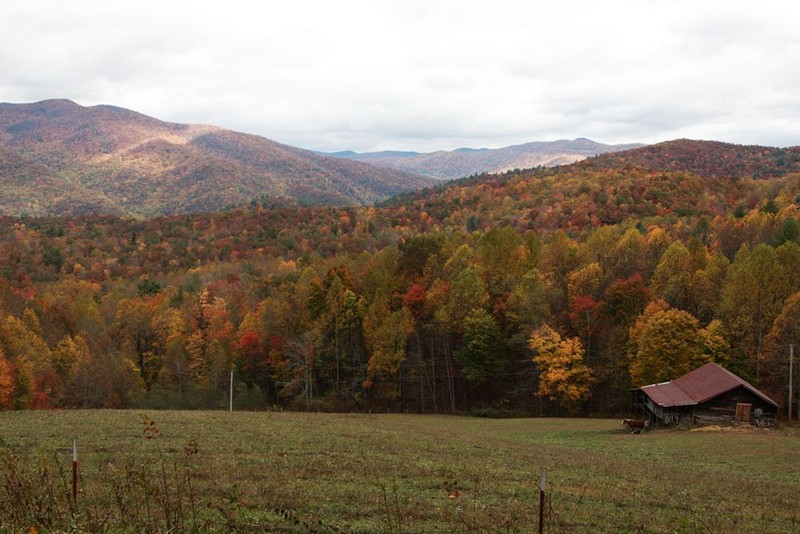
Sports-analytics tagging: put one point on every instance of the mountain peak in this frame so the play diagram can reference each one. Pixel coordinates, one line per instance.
(52, 106)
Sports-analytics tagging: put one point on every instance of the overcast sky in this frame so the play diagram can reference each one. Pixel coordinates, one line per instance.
(423, 75)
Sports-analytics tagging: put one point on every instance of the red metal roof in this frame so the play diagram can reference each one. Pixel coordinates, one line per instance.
(698, 386)
(668, 394)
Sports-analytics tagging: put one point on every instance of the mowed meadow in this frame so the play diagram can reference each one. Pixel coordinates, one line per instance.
(308, 472)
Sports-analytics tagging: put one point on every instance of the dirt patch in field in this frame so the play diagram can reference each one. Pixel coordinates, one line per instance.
(728, 428)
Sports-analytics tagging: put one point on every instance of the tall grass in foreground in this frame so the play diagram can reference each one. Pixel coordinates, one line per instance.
(130, 494)
(291, 472)
(153, 497)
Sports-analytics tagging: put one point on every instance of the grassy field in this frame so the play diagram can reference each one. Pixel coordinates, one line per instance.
(290, 472)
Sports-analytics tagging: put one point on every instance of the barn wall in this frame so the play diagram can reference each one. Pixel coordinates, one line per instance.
(722, 409)
(662, 415)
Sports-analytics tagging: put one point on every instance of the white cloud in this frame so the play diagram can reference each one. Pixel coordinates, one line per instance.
(423, 75)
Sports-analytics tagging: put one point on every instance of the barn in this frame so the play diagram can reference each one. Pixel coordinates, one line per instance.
(709, 394)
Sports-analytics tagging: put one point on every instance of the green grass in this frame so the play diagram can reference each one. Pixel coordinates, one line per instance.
(295, 472)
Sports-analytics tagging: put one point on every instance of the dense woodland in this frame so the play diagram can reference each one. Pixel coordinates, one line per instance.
(543, 291)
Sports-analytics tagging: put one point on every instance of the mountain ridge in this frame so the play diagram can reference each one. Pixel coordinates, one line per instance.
(466, 161)
(57, 157)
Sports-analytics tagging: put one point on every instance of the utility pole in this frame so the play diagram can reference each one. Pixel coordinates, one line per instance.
(230, 405)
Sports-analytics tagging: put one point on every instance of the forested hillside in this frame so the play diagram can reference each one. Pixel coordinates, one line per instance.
(546, 291)
(707, 158)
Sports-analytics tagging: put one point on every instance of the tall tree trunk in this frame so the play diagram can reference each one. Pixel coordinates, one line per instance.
(421, 370)
(336, 348)
(433, 378)
(450, 379)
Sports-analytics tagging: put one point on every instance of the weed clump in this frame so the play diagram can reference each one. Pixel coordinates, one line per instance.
(150, 494)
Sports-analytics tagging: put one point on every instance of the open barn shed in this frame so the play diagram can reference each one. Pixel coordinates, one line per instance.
(708, 394)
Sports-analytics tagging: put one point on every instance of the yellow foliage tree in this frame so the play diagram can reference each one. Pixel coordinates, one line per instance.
(563, 375)
(666, 343)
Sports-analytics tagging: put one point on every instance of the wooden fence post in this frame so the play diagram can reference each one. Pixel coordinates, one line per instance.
(541, 500)
(75, 471)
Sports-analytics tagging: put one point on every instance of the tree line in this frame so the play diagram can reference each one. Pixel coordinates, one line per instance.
(408, 307)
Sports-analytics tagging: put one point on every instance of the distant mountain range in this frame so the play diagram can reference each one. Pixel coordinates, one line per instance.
(57, 157)
(446, 165)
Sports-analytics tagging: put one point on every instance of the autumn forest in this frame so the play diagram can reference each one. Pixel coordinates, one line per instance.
(542, 291)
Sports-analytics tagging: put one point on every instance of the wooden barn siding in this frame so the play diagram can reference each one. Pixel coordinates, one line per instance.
(660, 415)
(722, 408)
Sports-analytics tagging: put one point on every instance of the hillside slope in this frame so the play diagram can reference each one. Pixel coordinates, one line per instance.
(707, 158)
(57, 157)
(675, 178)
